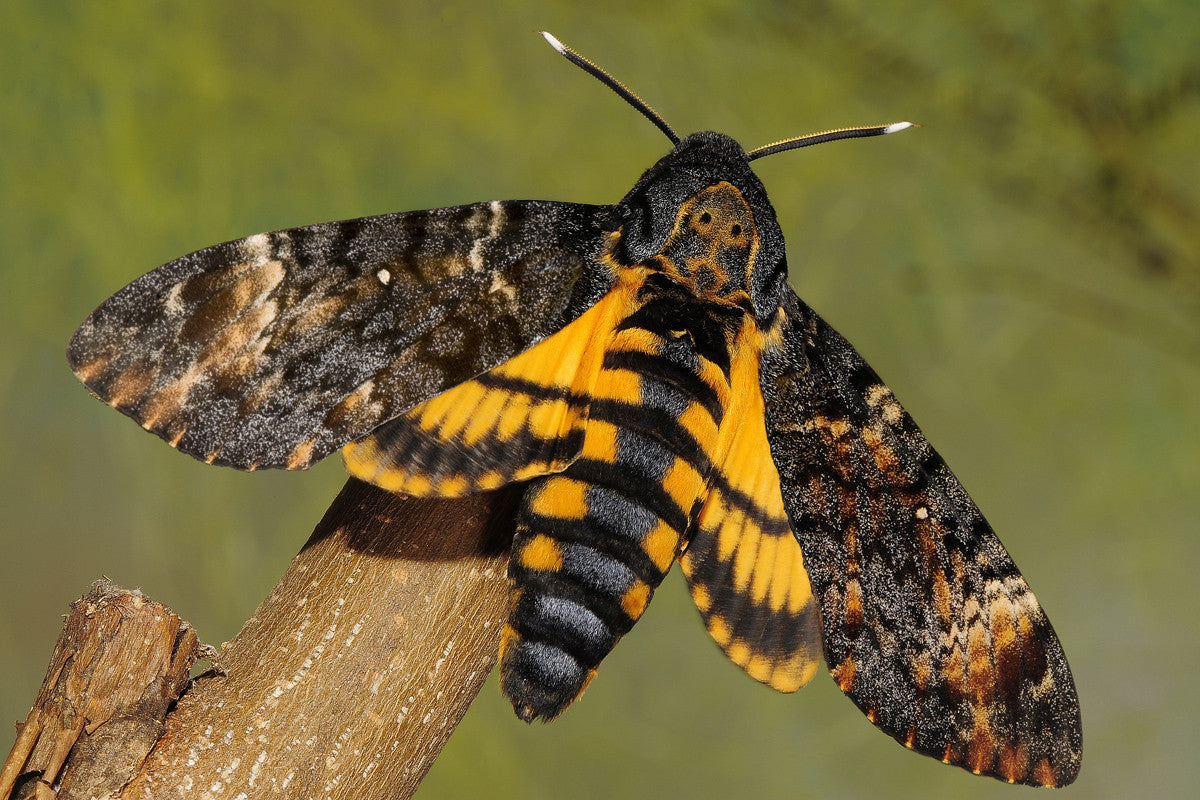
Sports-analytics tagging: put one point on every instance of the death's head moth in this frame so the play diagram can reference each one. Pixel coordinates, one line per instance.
(646, 369)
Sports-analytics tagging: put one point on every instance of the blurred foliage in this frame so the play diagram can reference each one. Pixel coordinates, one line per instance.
(1024, 270)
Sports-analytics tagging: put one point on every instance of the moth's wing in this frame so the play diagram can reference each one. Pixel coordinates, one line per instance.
(275, 350)
(928, 626)
(742, 562)
(521, 419)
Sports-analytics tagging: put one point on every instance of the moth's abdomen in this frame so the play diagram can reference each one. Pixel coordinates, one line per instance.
(594, 541)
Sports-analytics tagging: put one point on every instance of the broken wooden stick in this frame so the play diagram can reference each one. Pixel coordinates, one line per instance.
(356, 668)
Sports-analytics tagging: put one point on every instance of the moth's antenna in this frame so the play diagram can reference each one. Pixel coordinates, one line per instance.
(614, 84)
(827, 136)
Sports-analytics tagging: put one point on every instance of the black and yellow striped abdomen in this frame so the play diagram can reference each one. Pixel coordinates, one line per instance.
(594, 541)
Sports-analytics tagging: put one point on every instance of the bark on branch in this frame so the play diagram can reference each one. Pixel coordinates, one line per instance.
(352, 673)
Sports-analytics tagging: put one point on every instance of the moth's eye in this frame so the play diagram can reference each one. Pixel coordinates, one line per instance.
(736, 230)
(705, 218)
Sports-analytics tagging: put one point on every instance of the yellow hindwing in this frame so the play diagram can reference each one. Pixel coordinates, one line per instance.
(522, 419)
(743, 564)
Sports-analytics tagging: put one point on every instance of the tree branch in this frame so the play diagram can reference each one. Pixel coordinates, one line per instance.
(356, 668)
(120, 663)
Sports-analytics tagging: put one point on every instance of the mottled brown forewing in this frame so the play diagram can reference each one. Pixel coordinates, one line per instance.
(928, 625)
(275, 350)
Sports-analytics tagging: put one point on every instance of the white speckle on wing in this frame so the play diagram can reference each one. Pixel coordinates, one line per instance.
(173, 301)
(257, 248)
(475, 257)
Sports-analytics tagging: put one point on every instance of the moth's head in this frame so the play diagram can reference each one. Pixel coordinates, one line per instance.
(694, 206)
(707, 181)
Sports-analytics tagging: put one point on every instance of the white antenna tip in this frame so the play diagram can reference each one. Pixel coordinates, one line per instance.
(898, 126)
(555, 43)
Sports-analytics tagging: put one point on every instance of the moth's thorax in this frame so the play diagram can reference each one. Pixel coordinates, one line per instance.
(735, 254)
(711, 248)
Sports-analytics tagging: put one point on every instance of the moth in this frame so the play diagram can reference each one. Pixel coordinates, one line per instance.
(647, 371)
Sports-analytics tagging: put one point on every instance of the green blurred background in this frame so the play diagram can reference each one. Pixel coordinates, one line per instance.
(1024, 271)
